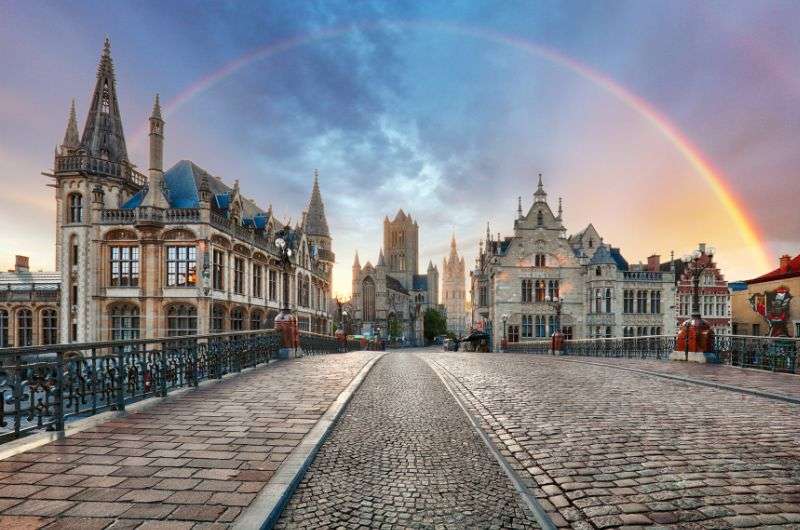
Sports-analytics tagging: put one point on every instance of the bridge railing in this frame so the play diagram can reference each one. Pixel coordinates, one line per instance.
(42, 386)
(768, 353)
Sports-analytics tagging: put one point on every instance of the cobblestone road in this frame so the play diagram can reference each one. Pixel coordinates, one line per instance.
(404, 455)
(193, 460)
(604, 447)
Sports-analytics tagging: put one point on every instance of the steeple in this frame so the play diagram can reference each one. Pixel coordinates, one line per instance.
(102, 134)
(488, 234)
(519, 207)
(381, 260)
(317, 223)
(156, 195)
(540, 195)
(71, 139)
(453, 244)
(356, 263)
(560, 210)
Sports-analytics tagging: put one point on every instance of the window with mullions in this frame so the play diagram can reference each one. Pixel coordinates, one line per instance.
(237, 319)
(24, 328)
(627, 301)
(257, 280)
(513, 333)
(125, 322)
(217, 319)
(181, 266)
(256, 320)
(273, 285)
(3, 328)
(124, 266)
(540, 290)
(527, 291)
(527, 326)
(218, 270)
(541, 331)
(655, 302)
(552, 289)
(181, 320)
(75, 208)
(49, 327)
(238, 275)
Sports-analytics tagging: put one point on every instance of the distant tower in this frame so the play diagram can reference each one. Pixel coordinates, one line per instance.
(454, 290)
(401, 247)
(316, 225)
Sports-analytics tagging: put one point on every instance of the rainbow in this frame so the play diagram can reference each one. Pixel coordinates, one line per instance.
(713, 177)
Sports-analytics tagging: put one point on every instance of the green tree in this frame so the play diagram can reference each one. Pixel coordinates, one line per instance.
(395, 328)
(433, 323)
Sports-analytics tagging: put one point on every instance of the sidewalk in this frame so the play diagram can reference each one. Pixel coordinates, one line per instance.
(189, 461)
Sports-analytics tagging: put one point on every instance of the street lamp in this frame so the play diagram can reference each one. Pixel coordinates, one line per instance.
(695, 335)
(285, 322)
(504, 343)
(557, 339)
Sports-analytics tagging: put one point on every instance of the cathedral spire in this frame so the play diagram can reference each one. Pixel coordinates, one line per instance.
(540, 195)
(71, 139)
(317, 222)
(356, 263)
(381, 260)
(519, 207)
(560, 209)
(102, 134)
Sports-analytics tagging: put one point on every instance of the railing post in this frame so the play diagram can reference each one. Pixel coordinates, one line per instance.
(163, 362)
(17, 393)
(121, 380)
(59, 420)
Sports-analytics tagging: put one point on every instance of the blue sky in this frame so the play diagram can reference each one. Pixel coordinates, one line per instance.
(404, 106)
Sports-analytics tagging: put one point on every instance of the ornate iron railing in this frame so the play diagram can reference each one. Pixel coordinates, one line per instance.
(43, 386)
(767, 353)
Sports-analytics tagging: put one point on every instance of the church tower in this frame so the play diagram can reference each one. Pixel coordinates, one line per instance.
(454, 290)
(316, 228)
(401, 246)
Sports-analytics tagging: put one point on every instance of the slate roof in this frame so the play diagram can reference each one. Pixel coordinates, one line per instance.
(395, 285)
(616, 255)
(22, 281)
(420, 282)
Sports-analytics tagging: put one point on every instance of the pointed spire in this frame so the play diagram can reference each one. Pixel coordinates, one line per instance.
(540, 195)
(156, 109)
(356, 263)
(488, 233)
(519, 207)
(71, 139)
(317, 222)
(102, 134)
(560, 209)
(381, 260)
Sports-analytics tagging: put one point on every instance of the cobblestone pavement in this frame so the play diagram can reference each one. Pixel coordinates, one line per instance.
(604, 447)
(193, 460)
(403, 454)
(760, 380)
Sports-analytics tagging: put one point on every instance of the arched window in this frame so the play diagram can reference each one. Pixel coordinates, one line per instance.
(368, 297)
(24, 328)
(540, 290)
(49, 326)
(237, 319)
(598, 301)
(552, 289)
(271, 319)
(539, 218)
(3, 328)
(540, 260)
(608, 300)
(217, 319)
(256, 319)
(124, 322)
(75, 208)
(181, 320)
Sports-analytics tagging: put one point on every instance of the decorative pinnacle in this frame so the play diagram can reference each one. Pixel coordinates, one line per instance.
(107, 46)
(156, 108)
(559, 208)
(519, 206)
(540, 181)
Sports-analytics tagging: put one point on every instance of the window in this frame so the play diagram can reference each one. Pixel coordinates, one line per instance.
(256, 319)
(540, 291)
(238, 275)
(513, 333)
(125, 322)
(527, 291)
(217, 319)
(181, 266)
(483, 296)
(551, 324)
(756, 330)
(796, 329)
(598, 271)
(540, 326)
(527, 326)
(75, 208)
(368, 301)
(257, 280)
(218, 272)
(598, 301)
(24, 328)
(49, 326)
(540, 260)
(655, 302)
(627, 301)
(641, 301)
(552, 289)
(3, 328)
(124, 266)
(237, 319)
(539, 218)
(73, 254)
(567, 331)
(181, 320)
(608, 300)
(273, 285)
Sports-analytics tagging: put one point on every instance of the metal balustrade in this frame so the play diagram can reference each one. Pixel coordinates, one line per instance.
(41, 387)
(83, 162)
(777, 354)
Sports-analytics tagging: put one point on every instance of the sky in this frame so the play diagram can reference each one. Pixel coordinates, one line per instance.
(448, 110)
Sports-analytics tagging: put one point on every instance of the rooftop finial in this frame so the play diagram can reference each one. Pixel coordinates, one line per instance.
(156, 108)
(71, 140)
(540, 181)
(540, 195)
(107, 46)
(519, 206)
(560, 210)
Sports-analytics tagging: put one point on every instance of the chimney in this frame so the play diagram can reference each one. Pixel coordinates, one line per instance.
(784, 261)
(654, 263)
(702, 247)
(21, 264)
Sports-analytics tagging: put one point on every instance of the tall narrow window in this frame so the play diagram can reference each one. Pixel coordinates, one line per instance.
(73, 254)
(237, 319)
(655, 302)
(540, 260)
(552, 289)
(24, 328)
(627, 306)
(551, 324)
(125, 322)
(49, 327)
(257, 281)
(181, 266)
(3, 328)
(608, 300)
(368, 298)
(238, 275)
(217, 319)
(641, 301)
(273, 285)
(598, 301)
(75, 208)
(181, 320)
(256, 319)
(527, 326)
(218, 270)
(124, 266)
(541, 331)
(540, 290)
(527, 291)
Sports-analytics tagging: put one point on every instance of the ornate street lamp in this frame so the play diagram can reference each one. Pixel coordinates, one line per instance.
(557, 339)
(695, 336)
(286, 322)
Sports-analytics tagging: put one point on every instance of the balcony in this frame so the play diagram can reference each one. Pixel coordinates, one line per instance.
(149, 215)
(643, 276)
(98, 166)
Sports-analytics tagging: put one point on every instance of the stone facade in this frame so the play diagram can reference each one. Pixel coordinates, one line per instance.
(389, 298)
(601, 294)
(454, 291)
(176, 252)
(29, 306)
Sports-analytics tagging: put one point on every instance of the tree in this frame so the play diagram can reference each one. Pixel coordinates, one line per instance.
(434, 323)
(395, 328)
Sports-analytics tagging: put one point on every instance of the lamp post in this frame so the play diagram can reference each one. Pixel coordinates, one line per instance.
(695, 337)
(557, 339)
(504, 342)
(286, 322)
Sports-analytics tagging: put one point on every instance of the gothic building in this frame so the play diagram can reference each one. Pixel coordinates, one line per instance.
(518, 277)
(177, 251)
(28, 306)
(454, 290)
(389, 298)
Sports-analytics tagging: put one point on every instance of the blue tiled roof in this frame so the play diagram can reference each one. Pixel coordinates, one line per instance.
(420, 282)
(135, 201)
(181, 182)
(223, 200)
(616, 255)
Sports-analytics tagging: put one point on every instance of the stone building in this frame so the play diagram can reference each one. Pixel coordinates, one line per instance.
(601, 294)
(29, 306)
(176, 251)
(770, 294)
(389, 298)
(454, 291)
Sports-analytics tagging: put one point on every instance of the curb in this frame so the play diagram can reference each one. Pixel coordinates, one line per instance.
(530, 500)
(267, 507)
(699, 382)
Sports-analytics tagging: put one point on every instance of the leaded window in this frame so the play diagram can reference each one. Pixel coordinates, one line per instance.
(181, 320)
(125, 322)
(24, 328)
(3, 328)
(218, 270)
(49, 326)
(181, 266)
(124, 266)
(237, 319)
